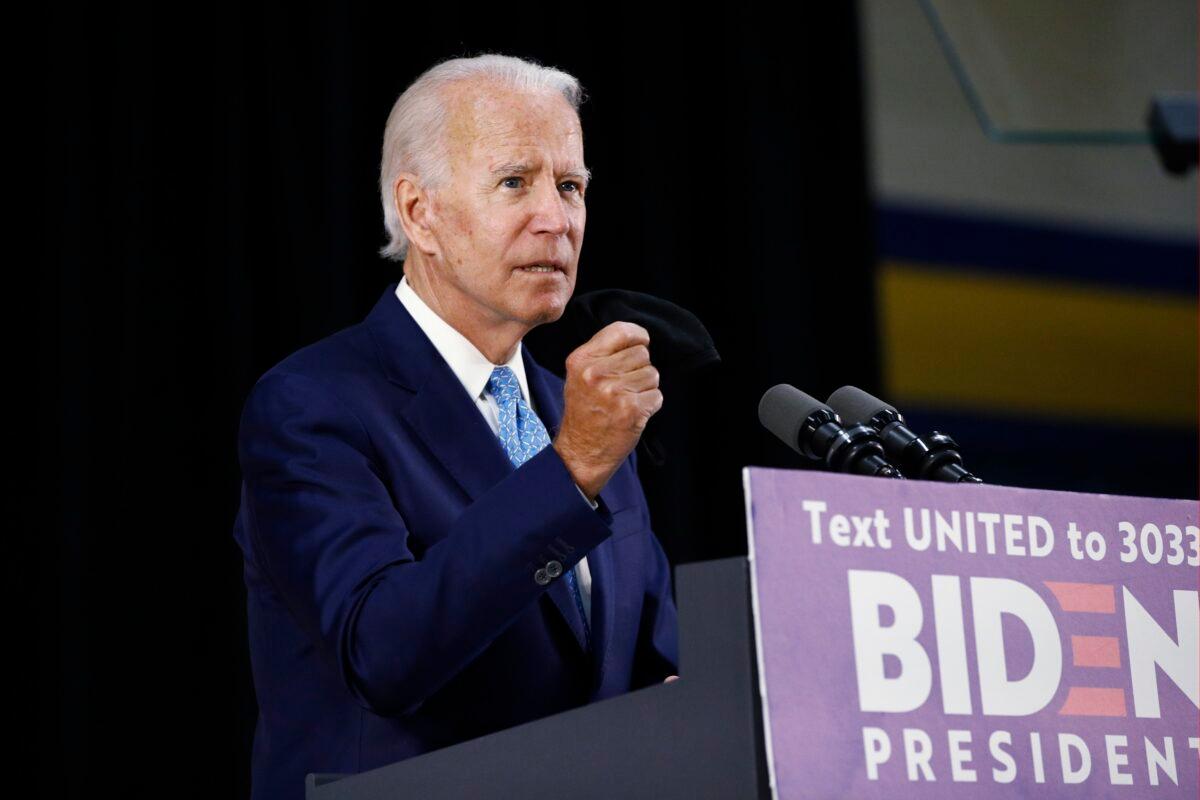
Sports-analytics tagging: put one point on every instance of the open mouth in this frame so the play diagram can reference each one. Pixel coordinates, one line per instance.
(542, 269)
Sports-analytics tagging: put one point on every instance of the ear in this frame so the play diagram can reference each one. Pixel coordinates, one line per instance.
(414, 208)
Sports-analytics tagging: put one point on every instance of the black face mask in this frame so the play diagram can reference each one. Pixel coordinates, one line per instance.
(679, 342)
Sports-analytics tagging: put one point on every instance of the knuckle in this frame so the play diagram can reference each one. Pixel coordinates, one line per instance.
(633, 330)
(613, 329)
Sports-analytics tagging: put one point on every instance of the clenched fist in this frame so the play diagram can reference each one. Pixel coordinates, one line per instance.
(611, 392)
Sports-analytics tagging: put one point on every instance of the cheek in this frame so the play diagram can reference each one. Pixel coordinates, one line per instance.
(453, 231)
(487, 230)
(464, 225)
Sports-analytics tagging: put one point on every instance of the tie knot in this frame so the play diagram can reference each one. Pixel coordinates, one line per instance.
(503, 385)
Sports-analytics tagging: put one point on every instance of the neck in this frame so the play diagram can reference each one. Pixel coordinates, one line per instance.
(496, 339)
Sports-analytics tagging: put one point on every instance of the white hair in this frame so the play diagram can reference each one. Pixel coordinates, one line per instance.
(413, 138)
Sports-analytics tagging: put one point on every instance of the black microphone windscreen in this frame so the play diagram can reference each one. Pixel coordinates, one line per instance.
(783, 409)
(854, 405)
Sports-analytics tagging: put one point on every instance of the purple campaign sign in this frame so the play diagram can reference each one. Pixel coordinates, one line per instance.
(921, 640)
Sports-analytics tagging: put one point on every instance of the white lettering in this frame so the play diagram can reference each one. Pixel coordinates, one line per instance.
(815, 509)
(951, 645)
(948, 530)
(959, 757)
(1009, 773)
(1116, 760)
(917, 540)
(1066, 743)
(869, 590)
(1164, 760)
(877, 748)
(1041, 537)
(1039, 765)
(1000, 696)
(862, 531)
(989, 522)
(881, 525)
(1150, 646)
(1012, 535)
(839, 530)
(917, 752)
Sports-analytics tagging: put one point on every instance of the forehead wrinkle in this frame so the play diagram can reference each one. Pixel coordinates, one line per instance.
(502, 134)
(524, 166)
(478, 123)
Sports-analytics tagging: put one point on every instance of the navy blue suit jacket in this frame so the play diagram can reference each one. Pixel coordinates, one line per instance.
(390, 551)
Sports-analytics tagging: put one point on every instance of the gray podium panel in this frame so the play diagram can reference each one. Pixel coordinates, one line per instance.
(698, 737)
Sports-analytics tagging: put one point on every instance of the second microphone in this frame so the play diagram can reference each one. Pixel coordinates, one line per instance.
(814, 430)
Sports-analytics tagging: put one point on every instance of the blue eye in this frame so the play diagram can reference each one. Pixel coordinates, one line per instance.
(506, 181)
(571, 184)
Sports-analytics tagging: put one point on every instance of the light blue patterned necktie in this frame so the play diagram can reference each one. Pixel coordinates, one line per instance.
(523, 436)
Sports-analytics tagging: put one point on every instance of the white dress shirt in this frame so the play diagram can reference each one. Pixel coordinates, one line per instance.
(473, 370)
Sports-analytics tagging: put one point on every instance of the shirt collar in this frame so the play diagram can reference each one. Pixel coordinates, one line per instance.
(471, 367)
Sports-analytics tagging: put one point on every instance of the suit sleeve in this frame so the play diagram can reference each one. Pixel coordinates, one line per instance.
(334, 546)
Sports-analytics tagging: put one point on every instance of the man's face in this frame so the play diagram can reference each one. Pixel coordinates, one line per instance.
(514, 200)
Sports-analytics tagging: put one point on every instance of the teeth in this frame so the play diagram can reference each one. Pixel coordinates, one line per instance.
(539, 268)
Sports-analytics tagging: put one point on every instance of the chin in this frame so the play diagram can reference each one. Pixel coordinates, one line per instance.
(549, 306)
(550, 314)
(547, 311)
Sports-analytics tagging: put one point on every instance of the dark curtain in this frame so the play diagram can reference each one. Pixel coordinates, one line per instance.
(210, 204)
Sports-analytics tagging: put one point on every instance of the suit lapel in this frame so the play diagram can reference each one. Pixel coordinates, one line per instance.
(442, 415)
(449, 423)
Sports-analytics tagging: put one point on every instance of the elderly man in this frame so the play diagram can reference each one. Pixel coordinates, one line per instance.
(442, 539)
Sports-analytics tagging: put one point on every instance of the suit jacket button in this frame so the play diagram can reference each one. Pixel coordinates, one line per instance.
(541, 577)
(553, 569)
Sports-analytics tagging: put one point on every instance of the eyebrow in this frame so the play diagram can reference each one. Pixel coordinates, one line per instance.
(523, 167)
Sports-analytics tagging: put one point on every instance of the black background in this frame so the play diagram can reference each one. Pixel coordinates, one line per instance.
(209, 190)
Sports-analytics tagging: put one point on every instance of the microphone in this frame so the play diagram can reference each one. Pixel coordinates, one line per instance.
(814, 430)
(933, 458)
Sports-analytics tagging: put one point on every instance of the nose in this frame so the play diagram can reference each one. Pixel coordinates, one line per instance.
(550, 212)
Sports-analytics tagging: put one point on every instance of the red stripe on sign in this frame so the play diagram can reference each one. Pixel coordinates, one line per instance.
(1091, 702)
(1097, 598)
(1095, 651)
